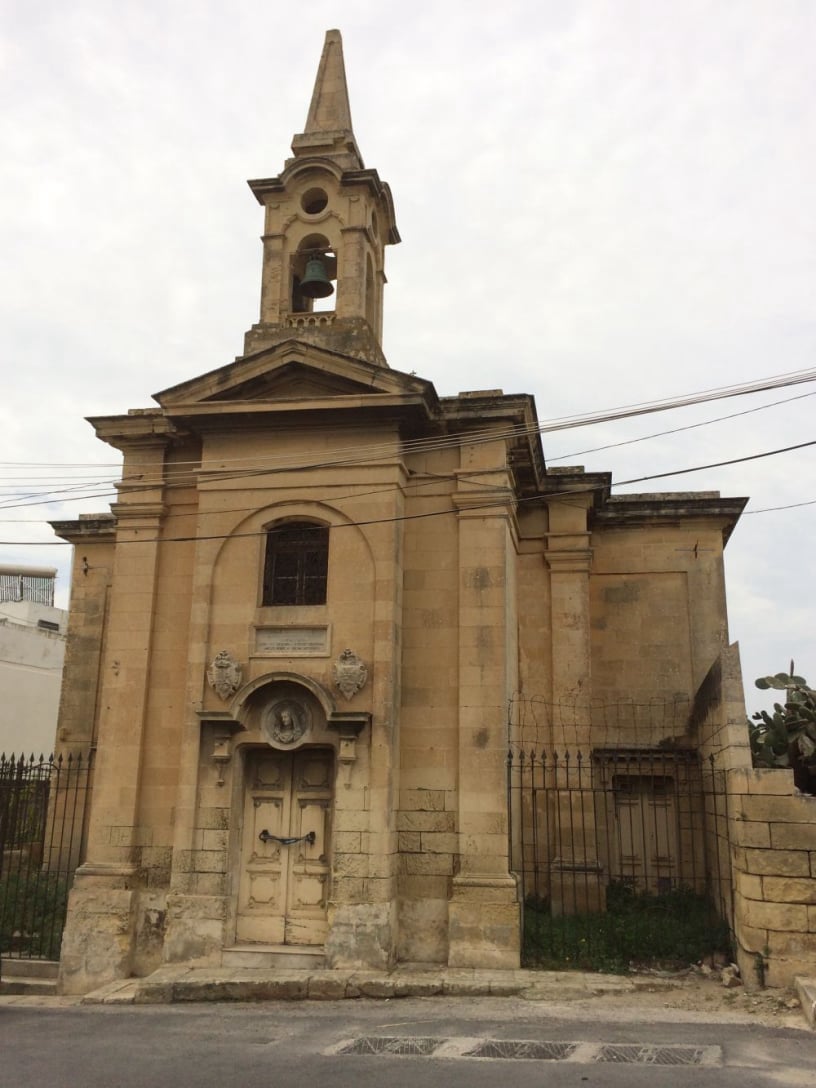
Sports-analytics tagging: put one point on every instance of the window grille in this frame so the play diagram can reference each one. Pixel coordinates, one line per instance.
(297, 563)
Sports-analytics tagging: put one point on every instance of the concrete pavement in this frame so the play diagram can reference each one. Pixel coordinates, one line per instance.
(180, 984)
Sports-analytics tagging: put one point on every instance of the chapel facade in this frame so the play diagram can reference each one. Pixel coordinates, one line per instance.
(325, 605)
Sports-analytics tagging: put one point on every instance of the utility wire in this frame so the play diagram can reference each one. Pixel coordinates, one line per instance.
(559, 423)
(437, 513)
(185, 478)
(678, 430)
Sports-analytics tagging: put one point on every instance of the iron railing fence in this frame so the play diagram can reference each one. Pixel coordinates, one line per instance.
(622, 856)
(44, 805)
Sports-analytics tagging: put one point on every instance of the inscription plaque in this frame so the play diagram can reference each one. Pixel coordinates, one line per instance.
(292, 641)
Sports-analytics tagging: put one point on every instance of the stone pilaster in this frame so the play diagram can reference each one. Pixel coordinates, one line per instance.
(569, 559)
(484, 919)
(100, 927)
(196, 918)
(575, 885)
(273, 280)
(363, 910)
(351, 274)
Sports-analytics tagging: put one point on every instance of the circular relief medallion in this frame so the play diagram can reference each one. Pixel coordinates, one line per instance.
(286, 721)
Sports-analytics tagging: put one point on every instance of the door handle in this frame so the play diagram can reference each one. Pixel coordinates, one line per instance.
(310, 838)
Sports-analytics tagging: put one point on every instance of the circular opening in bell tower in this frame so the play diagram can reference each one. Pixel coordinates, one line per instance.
(314, 201)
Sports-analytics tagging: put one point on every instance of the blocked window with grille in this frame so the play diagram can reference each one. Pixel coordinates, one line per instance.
(297, 563)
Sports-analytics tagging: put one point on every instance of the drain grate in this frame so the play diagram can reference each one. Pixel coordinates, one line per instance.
(384, 1044)
(651, 1055)
(531, 1049)
(521, 1048)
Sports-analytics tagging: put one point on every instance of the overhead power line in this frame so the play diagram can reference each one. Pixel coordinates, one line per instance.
(180, 476)
(557, 423)
(447, 512)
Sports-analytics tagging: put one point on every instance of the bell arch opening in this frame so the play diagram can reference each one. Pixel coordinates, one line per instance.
(314, 276)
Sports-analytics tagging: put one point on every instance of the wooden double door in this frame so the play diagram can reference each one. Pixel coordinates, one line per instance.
(284, 879)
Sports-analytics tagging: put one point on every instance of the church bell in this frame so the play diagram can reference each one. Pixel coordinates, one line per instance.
(316, 282)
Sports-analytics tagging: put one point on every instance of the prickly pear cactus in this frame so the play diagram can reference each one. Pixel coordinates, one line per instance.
(787, 737)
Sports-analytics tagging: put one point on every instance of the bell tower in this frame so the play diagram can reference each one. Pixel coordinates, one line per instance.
(327, 221)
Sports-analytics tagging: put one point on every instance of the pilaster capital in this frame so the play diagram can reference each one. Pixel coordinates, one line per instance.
(138, 515)
(569, 560)
(499, 502)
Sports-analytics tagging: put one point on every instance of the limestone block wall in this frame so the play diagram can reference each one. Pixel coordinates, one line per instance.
(362, 904)
(658, 611)
(773, 838)
(760, 838)
(718, 730)
(428, 845)
(197, 903)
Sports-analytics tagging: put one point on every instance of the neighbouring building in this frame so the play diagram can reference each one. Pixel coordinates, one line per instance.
(326, 604)
(32, 650)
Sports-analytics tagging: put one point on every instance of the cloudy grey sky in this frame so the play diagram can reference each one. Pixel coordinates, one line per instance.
(602, 202)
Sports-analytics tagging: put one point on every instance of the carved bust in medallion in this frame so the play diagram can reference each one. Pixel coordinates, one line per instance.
(285, 722)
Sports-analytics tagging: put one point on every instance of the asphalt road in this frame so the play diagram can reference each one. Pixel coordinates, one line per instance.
(284, 1045)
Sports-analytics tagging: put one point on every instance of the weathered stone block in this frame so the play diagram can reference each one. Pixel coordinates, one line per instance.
(424, 887)
(778, 916)
(209, 861)
(97, 945)
(362, 936)
(351, 865)
(748, 886)
(348, 842)
(791, 944)
(351, 819)
(209, 884)
(750, 833)
(440, 842)
(773, 781)
(752, 939)
(777, 862)
(790, 810)
(382, 866)
(793, 836)
(195, 929)
(423, 930)
(422, 800)
(346, 889)
(214, 840)
(209, 819)
(427, 864)
(782, 890)
(425, 821)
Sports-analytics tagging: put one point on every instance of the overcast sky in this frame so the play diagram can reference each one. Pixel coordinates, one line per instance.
(601, 203)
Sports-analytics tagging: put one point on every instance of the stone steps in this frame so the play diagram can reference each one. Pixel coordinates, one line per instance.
(28, 977)
(281, 957)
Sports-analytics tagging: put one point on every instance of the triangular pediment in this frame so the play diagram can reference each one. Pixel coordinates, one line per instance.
(290, 371)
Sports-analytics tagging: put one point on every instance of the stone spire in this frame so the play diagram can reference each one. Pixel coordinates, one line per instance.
(329, 218)
(328, 130)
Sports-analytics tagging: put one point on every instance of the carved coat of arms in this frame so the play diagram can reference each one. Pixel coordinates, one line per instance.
(224, 675)
(350, 674)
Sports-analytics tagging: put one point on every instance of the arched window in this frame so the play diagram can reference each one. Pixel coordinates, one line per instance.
(296, 564)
